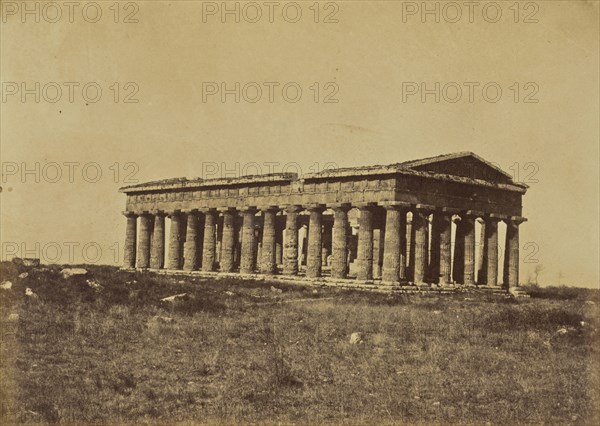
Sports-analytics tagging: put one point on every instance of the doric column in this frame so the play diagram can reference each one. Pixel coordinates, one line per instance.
(468, 220)
(491, 250)
(445, 231)
(279, 226)
(512, 251)
(191, 247)
(268, 265)
(410, 250)
(394, 243)
(458, 264)
(130, 240)
(290, 255)
(157, 256)
(314, 260)
(339, 243)
(481, 256)
(365, 243)
(228, 240)
(176, 239)
(327, 241)
(435, 250)
(420, 225)
(145, 238)
(247, 264)
(378, 242)
(209, 244)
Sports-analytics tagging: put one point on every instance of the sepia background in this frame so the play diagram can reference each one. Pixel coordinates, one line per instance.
(546, 136)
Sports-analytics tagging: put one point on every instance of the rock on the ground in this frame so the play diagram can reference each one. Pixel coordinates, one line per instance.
(29, 293)
(161, 319)
(23, 275)
(94, 284)
(356, 338)
(6, 285)
(27, 261)
(69, 272)
(175, 298)
(276, 290)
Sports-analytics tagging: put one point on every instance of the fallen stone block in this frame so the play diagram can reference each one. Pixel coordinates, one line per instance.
(23, 275)
(6, 285)
(356, 338)
(30, 294)
(70, 272)
(27, 261)
(175, 298)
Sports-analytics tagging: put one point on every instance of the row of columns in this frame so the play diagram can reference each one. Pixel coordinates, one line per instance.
(423, 258)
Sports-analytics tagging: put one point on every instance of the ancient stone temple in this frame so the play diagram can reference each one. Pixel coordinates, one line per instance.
(411, 223)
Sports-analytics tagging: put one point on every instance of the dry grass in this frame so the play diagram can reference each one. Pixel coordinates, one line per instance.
(238, 351)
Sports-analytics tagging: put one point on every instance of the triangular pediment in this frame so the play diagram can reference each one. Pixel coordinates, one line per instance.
(464, 164)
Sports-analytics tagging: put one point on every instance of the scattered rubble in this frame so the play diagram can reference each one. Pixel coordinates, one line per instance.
(175, 298)
(26, 261)
(23, 275)
(29, 293)
(70, 272)
(276, 290)
(94, 284)
(6, 285)
(356, 338)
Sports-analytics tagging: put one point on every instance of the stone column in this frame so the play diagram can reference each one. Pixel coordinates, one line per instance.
(339, 243)
(247, 264)
(191, 247)
(481, 257)
(410, 250)
(209, 244)
(427, 277)
(365, 243)
(278, 241)
(394, 260)
(157, 256)
(378, 250)
(143, 251)
(468, 229)
(512, 251)
(435, 253)
(176, 239)
(268, 265)
(327, 241)
(445, 230)
(228, 240)
(237, 247)
(458, 266)
(130, 240)
(314, 260)
(290, 256)
(491, 250)
(420, 225)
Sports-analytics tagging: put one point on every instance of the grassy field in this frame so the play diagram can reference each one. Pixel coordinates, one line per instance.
(242, 351)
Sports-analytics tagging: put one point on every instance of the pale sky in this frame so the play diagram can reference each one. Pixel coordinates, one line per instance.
(376, 50)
